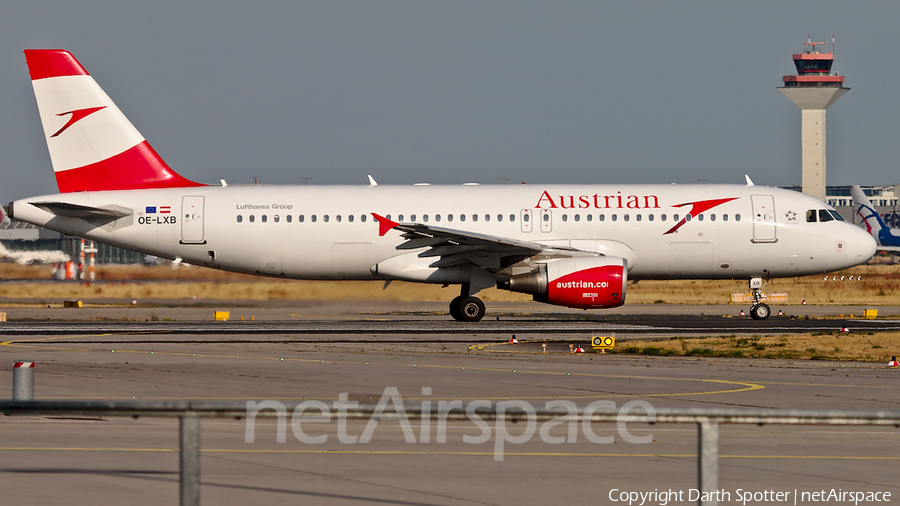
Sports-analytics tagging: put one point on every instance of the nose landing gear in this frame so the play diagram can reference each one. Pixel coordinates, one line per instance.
(758, 311)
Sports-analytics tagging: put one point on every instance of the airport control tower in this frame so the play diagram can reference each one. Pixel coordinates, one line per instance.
(813, 89)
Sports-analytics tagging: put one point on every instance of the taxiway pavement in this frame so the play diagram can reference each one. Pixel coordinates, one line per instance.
(52, 460)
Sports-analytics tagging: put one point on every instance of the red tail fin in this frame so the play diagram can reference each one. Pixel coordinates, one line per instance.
(92, 144)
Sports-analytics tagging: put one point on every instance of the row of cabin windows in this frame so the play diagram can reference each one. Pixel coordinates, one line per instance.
(512, 217)
(326, 218)
(814, 215)
(640, 217)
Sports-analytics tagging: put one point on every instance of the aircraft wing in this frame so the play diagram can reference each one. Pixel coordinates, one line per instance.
(109, 213)
(457, 247)
(888, 248)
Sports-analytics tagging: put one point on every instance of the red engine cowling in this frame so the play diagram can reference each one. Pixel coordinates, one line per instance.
(582, 282)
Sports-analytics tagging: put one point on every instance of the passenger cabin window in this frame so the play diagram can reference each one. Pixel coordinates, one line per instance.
(289, 218)
(737, 217)
(449, 217)
(325, 218)
(590, 217)
(276, 218)
(362, 218)
(412, 217)
(512, 217)
(525, 217)
(264, 218)
(350, 218)
(437, 217)
(425, 218)
(240, 218)
(314, 218)
(252, 218)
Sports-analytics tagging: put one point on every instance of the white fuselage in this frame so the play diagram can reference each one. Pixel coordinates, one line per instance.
(328, 232)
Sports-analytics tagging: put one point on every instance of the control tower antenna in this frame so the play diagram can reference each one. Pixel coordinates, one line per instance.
(813, 90)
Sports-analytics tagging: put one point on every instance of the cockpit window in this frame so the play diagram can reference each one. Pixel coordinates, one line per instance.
(811, 216)
(836, 215)
(824, 215)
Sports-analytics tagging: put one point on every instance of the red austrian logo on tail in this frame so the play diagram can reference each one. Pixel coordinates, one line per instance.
(77, 115)
(697, 208)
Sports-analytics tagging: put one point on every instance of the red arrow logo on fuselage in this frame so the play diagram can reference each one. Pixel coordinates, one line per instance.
(77, 115)
(697, 208)
(384, 224)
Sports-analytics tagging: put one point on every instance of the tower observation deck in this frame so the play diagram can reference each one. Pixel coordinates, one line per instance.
(813, 90)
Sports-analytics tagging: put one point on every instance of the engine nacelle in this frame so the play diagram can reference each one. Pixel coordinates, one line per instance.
(580, 282)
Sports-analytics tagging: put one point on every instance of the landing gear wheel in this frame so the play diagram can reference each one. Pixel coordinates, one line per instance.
(454, 308)
(468, 309)
(760, 312)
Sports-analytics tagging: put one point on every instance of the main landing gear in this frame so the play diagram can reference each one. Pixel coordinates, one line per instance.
(467, 309)
(758, 311)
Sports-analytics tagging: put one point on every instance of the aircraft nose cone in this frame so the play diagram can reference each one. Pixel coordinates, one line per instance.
(862, 245)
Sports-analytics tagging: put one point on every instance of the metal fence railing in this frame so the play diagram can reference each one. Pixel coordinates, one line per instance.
(707, 420)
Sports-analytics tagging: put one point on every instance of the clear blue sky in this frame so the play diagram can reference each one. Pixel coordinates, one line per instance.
(459, 91)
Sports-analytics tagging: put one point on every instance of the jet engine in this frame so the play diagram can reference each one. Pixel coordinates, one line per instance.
(580, 282)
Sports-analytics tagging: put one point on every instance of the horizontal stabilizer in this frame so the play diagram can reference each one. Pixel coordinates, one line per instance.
(108, 213)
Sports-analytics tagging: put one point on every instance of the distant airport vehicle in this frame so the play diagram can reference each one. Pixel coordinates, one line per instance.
(569, 245)
(34, 257)
(30, 257)
(888, 238)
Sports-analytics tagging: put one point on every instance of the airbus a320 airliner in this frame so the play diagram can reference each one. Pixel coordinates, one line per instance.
(569, 245)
